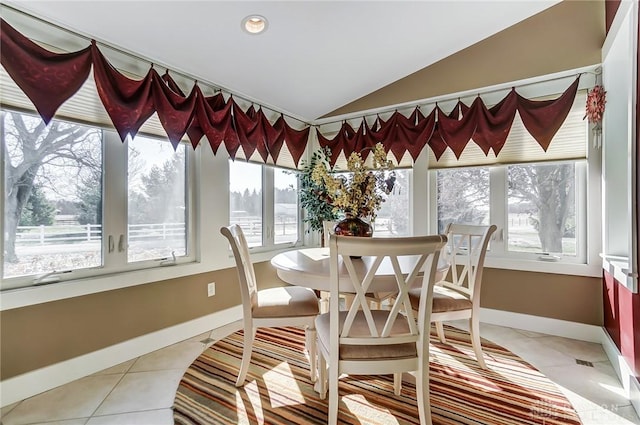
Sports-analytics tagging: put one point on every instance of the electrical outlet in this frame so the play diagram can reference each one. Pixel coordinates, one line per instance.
(211, 289)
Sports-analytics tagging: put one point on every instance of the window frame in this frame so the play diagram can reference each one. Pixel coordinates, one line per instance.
(114, 199)
(268, 211)
(588, 213)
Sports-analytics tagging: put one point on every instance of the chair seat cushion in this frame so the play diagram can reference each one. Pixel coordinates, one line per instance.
(361, 329)
(444, 299)
(288, 301)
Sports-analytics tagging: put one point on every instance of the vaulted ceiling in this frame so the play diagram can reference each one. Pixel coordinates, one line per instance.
(320, 59)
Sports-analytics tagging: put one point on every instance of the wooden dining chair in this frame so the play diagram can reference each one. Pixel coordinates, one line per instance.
(273, 307)
(459, 297)
(373, 341)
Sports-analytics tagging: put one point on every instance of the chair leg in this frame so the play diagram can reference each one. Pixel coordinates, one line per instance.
(397, 383)
(333, 395)
(310, 334)
(440, 331)
(322, 377)
(422, 393)
(474, 324)
(249, 336)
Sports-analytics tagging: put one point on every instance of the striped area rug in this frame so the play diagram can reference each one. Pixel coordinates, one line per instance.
(278, 389)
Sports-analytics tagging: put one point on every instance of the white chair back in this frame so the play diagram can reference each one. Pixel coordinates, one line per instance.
(246, 273)
(328, 229)
(467, 247)
(383, 324)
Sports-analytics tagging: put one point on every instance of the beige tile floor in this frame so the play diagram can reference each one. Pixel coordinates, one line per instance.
(141, 391)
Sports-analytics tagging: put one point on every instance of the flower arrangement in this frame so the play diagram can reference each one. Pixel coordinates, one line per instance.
(361, 191)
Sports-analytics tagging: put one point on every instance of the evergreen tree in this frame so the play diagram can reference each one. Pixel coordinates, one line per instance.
(90, 195)
(38, 211)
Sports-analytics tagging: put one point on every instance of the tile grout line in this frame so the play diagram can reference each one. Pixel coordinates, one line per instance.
(111, 391)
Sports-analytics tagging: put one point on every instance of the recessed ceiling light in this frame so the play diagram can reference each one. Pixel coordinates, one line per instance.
(255, 24)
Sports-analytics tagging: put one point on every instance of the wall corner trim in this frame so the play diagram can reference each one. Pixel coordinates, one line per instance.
(625, 374)
(35, 382)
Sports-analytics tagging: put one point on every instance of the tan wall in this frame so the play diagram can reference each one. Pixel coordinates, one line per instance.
(44, 334)
(566, 36)
(563, 297)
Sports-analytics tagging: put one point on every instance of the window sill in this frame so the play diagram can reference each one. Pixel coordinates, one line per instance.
(30, 295)
(539, 266)
(619, 268)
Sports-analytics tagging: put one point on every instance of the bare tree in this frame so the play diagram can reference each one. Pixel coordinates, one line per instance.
(34, 152)
(551, 189)
(463, 196)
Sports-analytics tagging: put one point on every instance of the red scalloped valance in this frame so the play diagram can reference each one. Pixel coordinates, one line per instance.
(49, 79)
(487, 127)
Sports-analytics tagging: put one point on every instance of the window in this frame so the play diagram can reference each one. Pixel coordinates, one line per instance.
(541, 208)
(285, 206)
(157, 207)
(245, 193)
(534, 204)
(52, 198)
(68, 215)
(394, 217)
(263, 200)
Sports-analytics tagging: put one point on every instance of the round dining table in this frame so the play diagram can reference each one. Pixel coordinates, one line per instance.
(309, 267)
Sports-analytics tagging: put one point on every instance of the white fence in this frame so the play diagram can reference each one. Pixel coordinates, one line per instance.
(79, 233)
(65, 234)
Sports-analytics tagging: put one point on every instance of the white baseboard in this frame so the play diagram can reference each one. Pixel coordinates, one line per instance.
(40, 380)
(625, 374)
(543, 325)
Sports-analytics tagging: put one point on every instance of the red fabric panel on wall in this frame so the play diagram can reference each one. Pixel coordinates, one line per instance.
(622, 320)
(215, 124)
(610, 9)
(338, 143)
